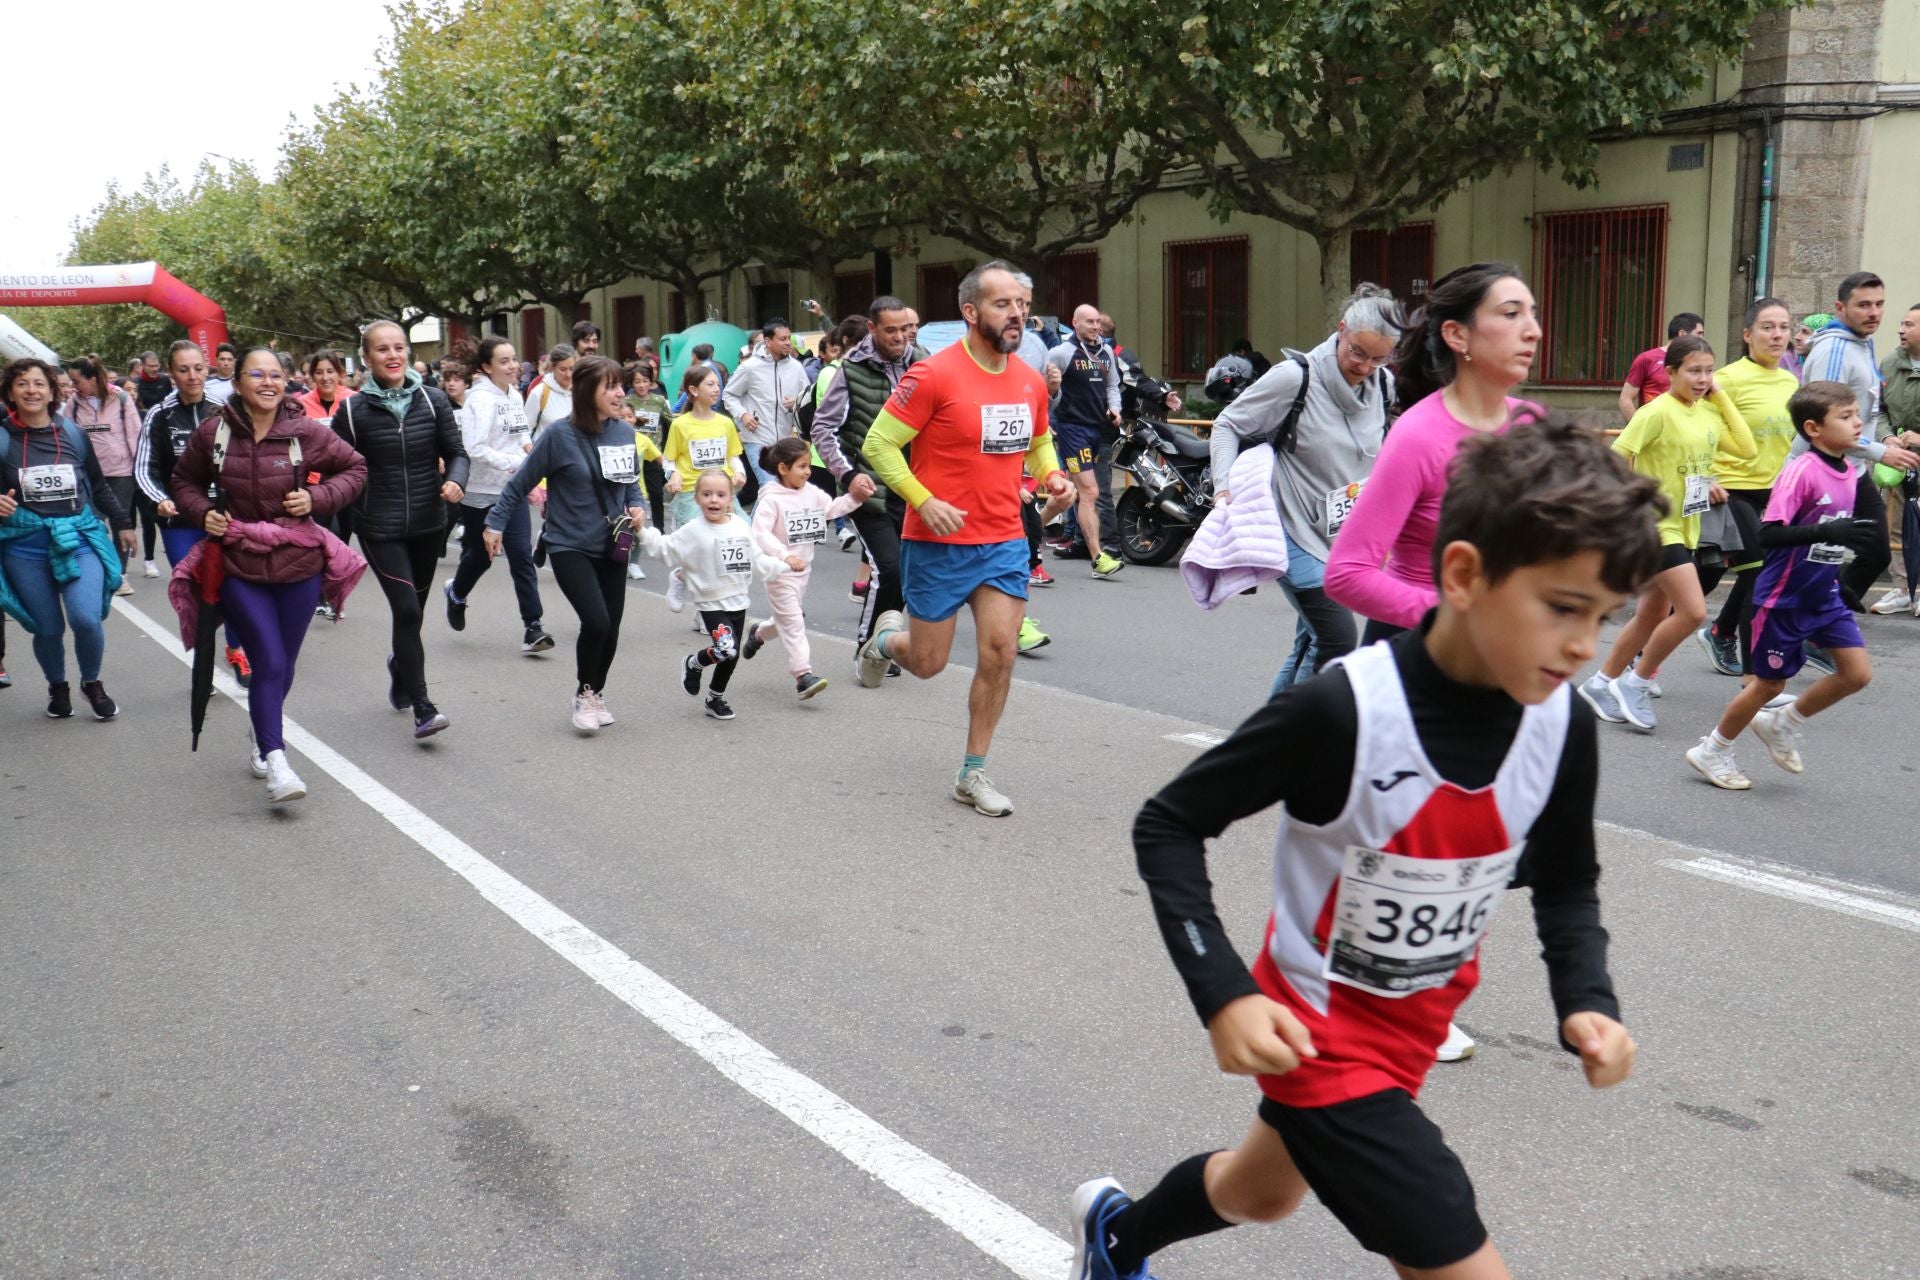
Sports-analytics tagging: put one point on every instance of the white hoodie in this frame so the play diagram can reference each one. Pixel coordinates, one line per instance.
(494, 429)
(718, 561)
(558, 403)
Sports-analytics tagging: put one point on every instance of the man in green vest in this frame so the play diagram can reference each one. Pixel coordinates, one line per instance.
(868, 374)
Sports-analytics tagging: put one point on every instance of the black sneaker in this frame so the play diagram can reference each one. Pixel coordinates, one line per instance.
(893, 669)
(536, 640)
(456, 609)
(395, 699)
(754, 643)
(807, 685)
(59, 701)
(1722, 651)
(690, 671)
(104, 708)
(717, 707)
(427, 720)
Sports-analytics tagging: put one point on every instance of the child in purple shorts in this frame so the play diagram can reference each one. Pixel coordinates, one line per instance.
(1808, 531)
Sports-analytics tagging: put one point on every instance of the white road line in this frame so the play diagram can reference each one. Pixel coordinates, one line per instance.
(1196, 739)
(995, 1227)
(1798, 889)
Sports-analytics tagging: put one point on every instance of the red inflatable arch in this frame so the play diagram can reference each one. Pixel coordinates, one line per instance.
(148, 282)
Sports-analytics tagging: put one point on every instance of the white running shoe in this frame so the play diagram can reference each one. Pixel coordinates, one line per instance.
(600, 709)
(1718, 766)
(676, 592)
(1894, 601)
(283, 784)
(1457, 1047)
(635, 572)
(585, 718)
(849, 539)
(256, 763)
(973, 788)
(1782, 739)
(152, 570)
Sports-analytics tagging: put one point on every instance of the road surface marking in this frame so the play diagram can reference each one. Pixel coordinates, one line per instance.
(1791, 883)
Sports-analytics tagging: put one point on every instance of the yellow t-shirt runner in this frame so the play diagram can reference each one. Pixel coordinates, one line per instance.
(694, 444)
(1676, 443)
(1761, 395)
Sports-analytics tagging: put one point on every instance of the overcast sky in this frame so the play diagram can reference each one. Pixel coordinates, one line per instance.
(160, 84)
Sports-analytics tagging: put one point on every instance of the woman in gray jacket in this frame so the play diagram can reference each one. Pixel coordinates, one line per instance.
(1325, 414)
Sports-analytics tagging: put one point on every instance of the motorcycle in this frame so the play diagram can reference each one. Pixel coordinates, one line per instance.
(1169, 487)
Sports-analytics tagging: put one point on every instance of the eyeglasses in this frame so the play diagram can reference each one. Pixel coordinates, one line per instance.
(262, 375)
(1355, 354)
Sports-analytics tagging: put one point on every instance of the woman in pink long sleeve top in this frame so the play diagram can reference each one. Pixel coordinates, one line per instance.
(1465, 351)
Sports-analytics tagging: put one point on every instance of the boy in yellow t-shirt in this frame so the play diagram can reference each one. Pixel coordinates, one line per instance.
(1673, 439)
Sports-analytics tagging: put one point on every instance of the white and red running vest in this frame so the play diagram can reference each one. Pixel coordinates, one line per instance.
(1378, 915)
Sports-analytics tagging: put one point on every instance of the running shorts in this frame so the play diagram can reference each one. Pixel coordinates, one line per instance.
(1385, 1170)
(937, 577)
(1078, 446)
(1674, 554)
(1780, 637)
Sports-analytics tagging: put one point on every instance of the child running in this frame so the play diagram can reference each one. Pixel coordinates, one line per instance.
(1420, 779)
(789, 521)
(714, 556)
(1807, 532)
(1673, 440)
(697, 440)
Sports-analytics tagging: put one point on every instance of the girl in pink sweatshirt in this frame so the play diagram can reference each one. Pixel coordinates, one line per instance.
(790, 519)
(1465, 351)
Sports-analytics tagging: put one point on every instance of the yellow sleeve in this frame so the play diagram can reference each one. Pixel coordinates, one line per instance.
(734, 447)
(885, 439)
(1042, 459)
(1646, 428)
(649, 451)
(676, 448)
(1740, 442)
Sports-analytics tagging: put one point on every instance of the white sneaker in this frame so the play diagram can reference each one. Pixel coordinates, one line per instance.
(873, 662)
(1782, 739)
(1895, 601)
(973, 788)
(1457, 1047)
(152, 570)
(1717, 765)
(600, 709)
(255, 762)
(676, 592)
(635, 572)
(126, 587)
(283, 784)
(585, 717)
(848, 539)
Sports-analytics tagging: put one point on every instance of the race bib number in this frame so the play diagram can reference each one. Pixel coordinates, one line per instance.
(1698, 497)
(649, 422)
(736, 557)
(55, 482)
(1006, 428)
(808, 525)
(708, 452)
(1340, 505)
(516, 420)
(617, 463)
(1402, 925)
(1828, 552)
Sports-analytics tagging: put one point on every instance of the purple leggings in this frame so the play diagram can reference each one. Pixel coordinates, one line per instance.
(271, 620)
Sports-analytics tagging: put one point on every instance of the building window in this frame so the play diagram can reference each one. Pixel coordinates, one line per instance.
(1206, 303)
(1400, 259)
(583, 310)
(533, 333)
(1073, 280)
(852, 293)
(1602, 276)
(939, 292)
(629, 324)
(771, 302)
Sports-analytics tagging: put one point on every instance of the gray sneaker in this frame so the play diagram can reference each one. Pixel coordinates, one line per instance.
(1598, 691)
(873, 662)
(973, 788)
(1636, 703)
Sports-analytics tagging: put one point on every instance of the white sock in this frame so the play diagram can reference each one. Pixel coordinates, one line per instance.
(1719, 743)
(1794, 717)
(1637, 680)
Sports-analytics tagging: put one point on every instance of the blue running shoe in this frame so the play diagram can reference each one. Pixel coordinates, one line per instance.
(1095, 1204)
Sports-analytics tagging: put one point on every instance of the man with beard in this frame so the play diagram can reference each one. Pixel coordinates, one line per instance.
(975, 418)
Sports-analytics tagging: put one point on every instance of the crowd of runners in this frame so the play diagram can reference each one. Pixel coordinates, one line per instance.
(1451, 552)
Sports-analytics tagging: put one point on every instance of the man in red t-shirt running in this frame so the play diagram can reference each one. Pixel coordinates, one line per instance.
(1647, 376)
(976, 419)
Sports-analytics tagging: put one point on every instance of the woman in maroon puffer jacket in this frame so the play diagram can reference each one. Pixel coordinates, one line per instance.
(268, 596)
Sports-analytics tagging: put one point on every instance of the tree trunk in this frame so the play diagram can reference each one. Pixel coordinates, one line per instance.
(1336, 272)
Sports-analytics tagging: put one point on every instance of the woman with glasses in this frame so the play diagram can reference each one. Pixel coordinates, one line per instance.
(1325, 414)
(407, 433)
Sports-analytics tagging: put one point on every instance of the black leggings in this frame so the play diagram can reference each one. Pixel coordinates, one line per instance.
(405, 568)
(880, 536)
(1330, 621)
(1736, 615)
(654, 477)
(1031, 526)
(725, 628)
(596, 587)
(1377, 631)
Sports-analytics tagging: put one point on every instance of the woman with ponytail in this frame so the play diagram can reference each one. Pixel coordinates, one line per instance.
(1458, 363)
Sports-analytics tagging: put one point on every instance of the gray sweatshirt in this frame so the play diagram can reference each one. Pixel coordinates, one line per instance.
(1337, 439)
(1838, 354)
(578, 500)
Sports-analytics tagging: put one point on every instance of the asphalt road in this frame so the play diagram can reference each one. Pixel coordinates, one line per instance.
(323, 1041)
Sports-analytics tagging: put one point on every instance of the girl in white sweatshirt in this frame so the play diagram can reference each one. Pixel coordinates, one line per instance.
(792, 518)
(717, 560)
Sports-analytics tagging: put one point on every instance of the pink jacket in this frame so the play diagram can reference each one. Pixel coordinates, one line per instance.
(1382, 561)
(792, 522)
(113, 430)
(1242, 544)
(338, 579)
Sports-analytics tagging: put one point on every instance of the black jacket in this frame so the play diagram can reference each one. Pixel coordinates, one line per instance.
(163, 440)
(402, 497)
